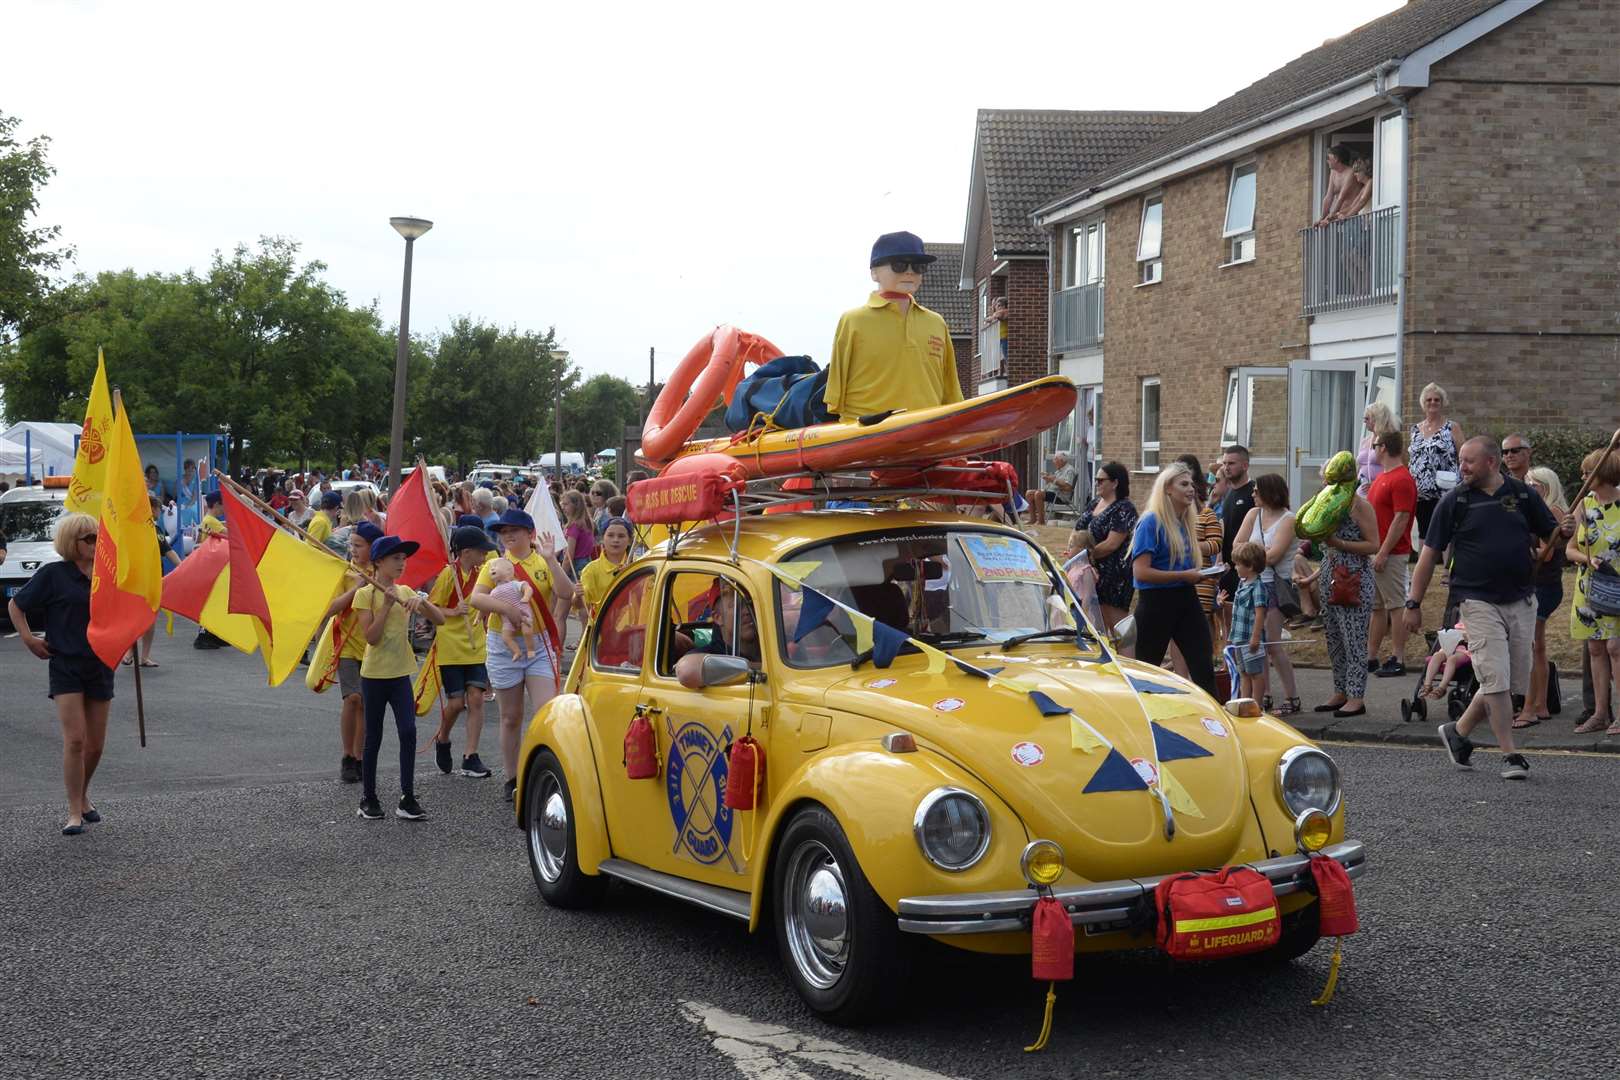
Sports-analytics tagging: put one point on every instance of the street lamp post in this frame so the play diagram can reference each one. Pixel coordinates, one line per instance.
(410, 228)
(561, 358)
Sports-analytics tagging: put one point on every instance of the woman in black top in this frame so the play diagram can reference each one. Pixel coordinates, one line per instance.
(1111, 520)
(80, 684)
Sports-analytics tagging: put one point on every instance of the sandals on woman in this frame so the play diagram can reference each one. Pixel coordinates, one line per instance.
(1289, 707)
(1596, 724)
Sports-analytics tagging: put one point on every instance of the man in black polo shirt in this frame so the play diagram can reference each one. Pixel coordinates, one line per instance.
(1491, 522)
(1236, 504)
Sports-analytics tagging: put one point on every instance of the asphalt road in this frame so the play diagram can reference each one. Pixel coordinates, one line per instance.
(232, 917)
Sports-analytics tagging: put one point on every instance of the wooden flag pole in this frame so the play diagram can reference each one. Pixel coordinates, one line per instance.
(1586, 487)
(135, 649)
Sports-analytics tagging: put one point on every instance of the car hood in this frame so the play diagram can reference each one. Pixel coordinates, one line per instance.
(22, 559)
(1161, 723)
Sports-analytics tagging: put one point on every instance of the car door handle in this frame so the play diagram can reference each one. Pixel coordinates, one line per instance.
(644, 709)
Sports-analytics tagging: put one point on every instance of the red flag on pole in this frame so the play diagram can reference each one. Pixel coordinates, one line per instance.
(186, 589)
(248, 534)
(411, 517)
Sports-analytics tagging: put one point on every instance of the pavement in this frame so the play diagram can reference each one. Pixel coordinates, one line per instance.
(231, 917)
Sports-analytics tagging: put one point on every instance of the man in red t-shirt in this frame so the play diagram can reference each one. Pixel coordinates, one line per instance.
(1394, 500)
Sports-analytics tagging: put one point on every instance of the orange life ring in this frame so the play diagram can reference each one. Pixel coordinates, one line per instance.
(704, 378)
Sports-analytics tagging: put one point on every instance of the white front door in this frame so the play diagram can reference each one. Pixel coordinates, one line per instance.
(1326, 400)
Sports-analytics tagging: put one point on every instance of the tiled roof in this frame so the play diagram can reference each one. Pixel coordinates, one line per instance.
(1389, 37)
(1030, 156)
(941, 291)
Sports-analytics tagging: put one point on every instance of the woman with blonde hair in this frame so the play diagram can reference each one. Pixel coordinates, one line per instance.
(1595, 549)
(1379, 420)
(80, 684)
(1166, 564)
(1431, 453)
(1549, 579)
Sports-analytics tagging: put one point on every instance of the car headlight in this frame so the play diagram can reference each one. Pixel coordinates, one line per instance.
(952, 828)
(1307, 779)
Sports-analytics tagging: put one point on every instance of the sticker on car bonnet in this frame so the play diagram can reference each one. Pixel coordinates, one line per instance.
(1028, 754)
(950, 704)
(880, 684)
(1214, 726)
(1148, 771)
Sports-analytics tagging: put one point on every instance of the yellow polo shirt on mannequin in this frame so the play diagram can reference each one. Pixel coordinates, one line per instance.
(884, 359)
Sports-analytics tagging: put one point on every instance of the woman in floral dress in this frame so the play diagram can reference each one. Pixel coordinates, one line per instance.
(1595, 548)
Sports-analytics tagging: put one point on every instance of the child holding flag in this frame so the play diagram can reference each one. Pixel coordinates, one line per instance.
(387, 671)
(459, 647)
(350, 645)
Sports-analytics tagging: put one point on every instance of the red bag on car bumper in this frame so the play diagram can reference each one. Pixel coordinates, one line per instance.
(1210, 916)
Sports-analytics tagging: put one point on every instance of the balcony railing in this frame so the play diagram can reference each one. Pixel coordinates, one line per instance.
(1353, 263)
(1077, 316)
(990, 350)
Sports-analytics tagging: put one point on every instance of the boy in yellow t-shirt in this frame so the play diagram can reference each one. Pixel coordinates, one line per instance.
(387, 670)
(891, 352)
(460, 648)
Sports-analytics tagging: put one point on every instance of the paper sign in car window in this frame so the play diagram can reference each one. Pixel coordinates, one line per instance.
(1002, 558)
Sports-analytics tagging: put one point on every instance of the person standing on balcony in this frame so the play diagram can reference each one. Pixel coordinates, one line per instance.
(1342, 185)
(1349, 207)
(1432, 453)
(892, 353)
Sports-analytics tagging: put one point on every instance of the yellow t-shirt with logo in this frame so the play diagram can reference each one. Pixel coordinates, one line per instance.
(320, 526)
(452, 638)
(354, 642)
(391, 657)
(883, 359)
(536, 566)
(598, 577)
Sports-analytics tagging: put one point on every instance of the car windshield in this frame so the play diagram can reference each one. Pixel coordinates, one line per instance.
(28, 522)
(944, 586)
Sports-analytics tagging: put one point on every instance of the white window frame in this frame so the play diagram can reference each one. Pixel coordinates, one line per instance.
(1240, 243)
(1150, 268)
(1381, 198)
(1078, 268)
(1150, 446)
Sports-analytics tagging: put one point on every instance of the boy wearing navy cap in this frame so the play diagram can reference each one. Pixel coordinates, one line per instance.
(891, 352)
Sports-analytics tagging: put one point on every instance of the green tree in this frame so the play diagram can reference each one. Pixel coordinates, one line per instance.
(27, 258)
(489, 393)
(595, 413)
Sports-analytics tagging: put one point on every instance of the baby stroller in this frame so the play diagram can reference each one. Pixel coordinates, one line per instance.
(1464, 683)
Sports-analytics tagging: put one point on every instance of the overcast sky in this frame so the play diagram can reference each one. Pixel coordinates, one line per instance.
(631, 174)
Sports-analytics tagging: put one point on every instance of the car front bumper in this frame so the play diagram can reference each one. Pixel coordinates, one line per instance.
(1104, 903)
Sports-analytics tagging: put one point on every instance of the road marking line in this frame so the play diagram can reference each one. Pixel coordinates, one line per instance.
(768, 1051)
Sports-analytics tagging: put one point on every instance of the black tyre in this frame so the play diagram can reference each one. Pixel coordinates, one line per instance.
(1420, 709)
(840, 944)
(1406, 711)
(1455, 707)
(553, 856)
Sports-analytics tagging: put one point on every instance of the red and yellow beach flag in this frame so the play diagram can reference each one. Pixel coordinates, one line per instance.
(90, 463)
(127, 583)
(411, 517)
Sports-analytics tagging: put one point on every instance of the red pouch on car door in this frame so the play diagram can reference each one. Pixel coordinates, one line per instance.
(1210, 916)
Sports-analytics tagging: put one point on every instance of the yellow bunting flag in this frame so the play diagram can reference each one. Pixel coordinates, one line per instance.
(90, 463)
(299, 581)
(1082, 736)
(937, 659)
(1179, 799)
(425, 687)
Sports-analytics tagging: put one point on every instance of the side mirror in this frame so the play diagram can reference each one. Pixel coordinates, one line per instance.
(1125, 632)
(724, 670)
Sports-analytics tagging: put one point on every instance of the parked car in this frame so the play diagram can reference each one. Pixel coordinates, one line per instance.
(28, 517)
(913, 800)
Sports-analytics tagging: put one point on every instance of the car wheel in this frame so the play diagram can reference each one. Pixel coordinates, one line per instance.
(553, 857)
(1299, 934)
(839, 942)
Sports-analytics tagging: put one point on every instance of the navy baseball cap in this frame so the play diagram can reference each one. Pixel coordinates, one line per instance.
(469, 519)
(899, 245)
(331, 500)
(513, 519)
(471, 536)
(384, 546)
(368, 532)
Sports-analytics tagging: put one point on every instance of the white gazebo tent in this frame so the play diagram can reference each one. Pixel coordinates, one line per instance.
(51, 444)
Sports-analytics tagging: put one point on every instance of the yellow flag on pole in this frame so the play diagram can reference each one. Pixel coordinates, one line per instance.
(299, 581)
(90, 463)
(126, 513)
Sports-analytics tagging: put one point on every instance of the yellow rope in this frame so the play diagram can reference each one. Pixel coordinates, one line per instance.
(1333, 974)
(1046, 1023)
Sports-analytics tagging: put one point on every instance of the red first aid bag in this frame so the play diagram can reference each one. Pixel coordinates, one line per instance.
(1211, 916)
(1336, 904)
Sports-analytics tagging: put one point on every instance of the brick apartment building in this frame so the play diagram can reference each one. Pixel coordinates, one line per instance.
(940, 292)
(1021, 159)
(1486, 262)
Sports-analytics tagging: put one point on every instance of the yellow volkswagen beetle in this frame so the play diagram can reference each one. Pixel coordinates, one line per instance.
(938, 739)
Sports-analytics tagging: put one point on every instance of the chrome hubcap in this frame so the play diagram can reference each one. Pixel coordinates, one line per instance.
(817, 914)
(548, 828)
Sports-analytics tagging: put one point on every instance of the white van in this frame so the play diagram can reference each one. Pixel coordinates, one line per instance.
(28, 518)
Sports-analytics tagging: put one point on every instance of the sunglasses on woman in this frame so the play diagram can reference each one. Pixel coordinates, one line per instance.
(88, 538)
(904, 266)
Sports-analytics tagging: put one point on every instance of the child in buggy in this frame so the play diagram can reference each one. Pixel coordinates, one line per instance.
(1448, 675)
